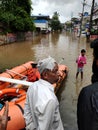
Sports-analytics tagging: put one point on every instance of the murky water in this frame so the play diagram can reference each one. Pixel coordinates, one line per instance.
(57, 45)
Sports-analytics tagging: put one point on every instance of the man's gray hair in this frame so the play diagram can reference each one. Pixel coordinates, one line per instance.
(48, 63)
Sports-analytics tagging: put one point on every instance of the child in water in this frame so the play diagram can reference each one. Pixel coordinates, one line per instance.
(81, 60)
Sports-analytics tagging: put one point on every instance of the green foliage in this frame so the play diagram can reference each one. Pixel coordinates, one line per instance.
(55, 23)
(68, 24)
(94, 32)
(5, 20)
(55, 16)
(25, 5)
(15, 16)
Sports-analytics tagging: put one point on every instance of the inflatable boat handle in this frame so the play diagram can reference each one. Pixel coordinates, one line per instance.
(61, 60)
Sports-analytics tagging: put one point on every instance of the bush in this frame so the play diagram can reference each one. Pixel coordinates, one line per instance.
(94, 32)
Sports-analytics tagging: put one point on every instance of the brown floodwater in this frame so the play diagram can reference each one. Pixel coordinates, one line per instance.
(57, 45)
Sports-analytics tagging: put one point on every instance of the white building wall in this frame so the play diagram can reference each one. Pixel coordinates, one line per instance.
(43, 26)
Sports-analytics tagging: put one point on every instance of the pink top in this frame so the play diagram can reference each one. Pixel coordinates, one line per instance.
(81, 61)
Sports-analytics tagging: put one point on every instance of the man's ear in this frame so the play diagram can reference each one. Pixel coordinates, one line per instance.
(45, 75)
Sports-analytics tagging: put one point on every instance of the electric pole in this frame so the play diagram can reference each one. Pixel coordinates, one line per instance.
(82, 18)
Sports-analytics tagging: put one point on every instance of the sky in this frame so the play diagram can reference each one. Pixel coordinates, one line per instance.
(66, 8)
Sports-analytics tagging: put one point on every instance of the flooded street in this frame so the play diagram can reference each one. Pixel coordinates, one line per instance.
(57, 45)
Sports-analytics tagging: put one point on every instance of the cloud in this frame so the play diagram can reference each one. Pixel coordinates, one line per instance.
(65, 8)
(57, 2)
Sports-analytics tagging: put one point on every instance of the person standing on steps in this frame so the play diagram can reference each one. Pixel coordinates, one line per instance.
(87, 35)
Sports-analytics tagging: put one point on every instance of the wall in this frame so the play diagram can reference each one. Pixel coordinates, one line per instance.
(11, 37)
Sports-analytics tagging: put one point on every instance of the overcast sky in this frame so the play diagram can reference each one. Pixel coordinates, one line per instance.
(65, 8)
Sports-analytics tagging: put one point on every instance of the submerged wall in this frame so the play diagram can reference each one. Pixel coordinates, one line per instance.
(11, 37)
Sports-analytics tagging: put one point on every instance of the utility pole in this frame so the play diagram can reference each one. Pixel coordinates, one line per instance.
(71, 21)
(92, 8)
(82, 18)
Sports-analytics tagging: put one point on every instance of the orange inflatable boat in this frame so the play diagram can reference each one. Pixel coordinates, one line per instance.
(26, 70)
(29, 72)
(17, 96)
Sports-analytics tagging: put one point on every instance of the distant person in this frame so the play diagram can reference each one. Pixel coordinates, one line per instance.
(87, 35)
(41, 111)
(87, 106)
(81, 60)
(4, 117)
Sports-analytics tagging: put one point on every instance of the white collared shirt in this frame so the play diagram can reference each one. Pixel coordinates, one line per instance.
(41, 110)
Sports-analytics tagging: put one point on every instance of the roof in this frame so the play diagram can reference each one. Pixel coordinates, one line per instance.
(41, 17)
(40, 21)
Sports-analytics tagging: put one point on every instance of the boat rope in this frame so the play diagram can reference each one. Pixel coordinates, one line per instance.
(9, 74)
(21, 109)
(16, 73)
(25, 67)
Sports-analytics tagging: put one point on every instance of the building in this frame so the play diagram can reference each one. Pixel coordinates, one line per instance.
(86, 20)
(95, 17)
(41, 23)
(94, 31)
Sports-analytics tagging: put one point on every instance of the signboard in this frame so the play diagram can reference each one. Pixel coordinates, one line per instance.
(85, 14)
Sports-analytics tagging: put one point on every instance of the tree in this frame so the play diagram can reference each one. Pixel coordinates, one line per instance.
(55, 23)
(25, 5)
(15, 15)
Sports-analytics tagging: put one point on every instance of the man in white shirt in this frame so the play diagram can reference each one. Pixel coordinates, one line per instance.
(41, 110)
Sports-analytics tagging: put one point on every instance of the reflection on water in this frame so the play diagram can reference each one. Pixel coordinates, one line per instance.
(57, 45)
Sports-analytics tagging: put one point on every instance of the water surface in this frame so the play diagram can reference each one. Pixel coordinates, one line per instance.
(57, 45)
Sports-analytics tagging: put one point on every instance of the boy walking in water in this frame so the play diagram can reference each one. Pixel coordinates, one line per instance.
(81, 60)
